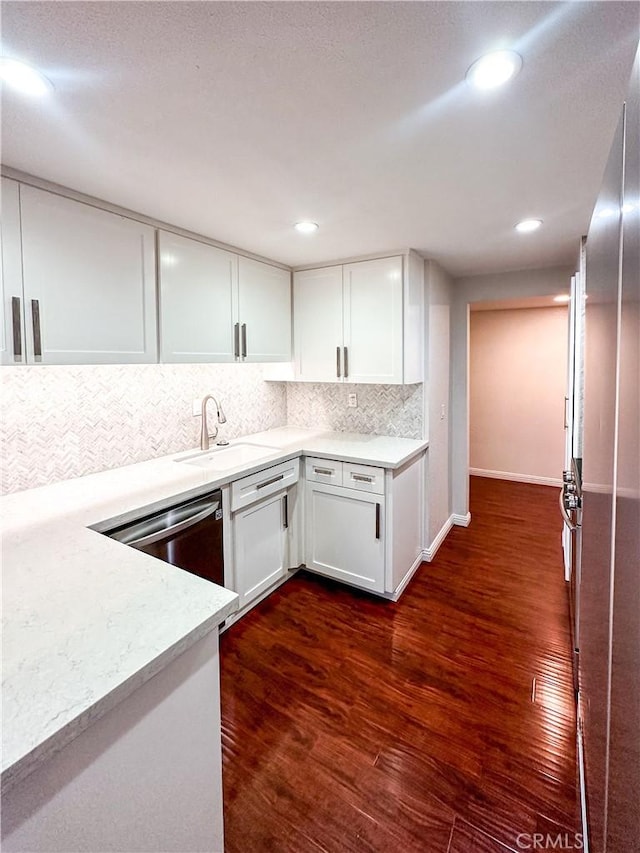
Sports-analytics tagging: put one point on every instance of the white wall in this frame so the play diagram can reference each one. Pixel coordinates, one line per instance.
(437, 393)
(516, 393)
(522, 283)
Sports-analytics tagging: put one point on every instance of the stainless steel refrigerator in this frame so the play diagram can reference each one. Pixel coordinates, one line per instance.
(608, 494)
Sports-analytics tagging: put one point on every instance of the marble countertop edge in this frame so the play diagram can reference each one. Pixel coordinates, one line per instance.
(21, 767)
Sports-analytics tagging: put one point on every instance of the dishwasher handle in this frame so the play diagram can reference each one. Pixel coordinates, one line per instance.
(146, 532)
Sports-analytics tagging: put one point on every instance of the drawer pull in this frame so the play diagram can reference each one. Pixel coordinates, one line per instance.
(377, 521)
(326, 471)
(361, 478)
(270, 482)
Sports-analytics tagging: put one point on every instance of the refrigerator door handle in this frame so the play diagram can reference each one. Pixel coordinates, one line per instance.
(565, 515)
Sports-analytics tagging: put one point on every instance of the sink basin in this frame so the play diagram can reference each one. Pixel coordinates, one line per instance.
(222, 458)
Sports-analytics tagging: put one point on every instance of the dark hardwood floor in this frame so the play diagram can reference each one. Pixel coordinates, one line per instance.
(443, 723)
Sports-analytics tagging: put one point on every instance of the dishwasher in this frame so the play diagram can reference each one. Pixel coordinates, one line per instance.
(187, 535)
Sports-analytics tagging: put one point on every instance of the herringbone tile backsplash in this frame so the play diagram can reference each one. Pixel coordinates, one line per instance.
(65, 421)
(61, 422)
(382, 409)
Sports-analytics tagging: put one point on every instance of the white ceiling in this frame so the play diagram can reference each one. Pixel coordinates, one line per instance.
(235, 120)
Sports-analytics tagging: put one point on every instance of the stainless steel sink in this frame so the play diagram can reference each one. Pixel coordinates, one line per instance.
(229, 456)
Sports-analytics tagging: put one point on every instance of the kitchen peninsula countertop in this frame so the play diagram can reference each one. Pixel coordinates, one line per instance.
(87, 620)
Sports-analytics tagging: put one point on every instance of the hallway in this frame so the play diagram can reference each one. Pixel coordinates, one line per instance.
(442, 724)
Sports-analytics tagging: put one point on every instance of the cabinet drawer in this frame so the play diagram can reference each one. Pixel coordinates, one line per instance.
(366, 478)
(324, 471)
(264, 483)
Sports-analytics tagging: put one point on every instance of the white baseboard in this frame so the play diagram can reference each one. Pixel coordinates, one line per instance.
(516, 478)
(430, 552)
(395, 595)
(461, 520)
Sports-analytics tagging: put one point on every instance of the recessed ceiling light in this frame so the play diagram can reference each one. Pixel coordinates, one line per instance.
(562, 297)
(306, 227)
(24, 78)
(494, 69)
(528, 225)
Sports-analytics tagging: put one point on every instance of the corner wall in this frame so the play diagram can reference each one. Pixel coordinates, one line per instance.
(438, 293)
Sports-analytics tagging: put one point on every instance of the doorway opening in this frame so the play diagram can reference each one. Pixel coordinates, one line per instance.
(517, 389)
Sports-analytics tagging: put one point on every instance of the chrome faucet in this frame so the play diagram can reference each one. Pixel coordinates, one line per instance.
(205, 435)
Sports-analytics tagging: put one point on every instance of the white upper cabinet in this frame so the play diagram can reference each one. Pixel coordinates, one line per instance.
(88, 283)
(264, 311)
(12, 342)
(373, 321)
(317, 314)
(78, 286)
(360, 322)
(216, 306)
(198, 287)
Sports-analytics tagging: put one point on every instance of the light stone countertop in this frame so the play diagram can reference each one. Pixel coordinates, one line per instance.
(87, 620)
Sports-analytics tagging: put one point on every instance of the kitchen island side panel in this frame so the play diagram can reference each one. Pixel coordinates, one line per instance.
(146, 776)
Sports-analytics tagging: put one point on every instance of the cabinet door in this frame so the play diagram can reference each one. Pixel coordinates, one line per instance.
(260, 535)
(373, 321)
(91, 276)
(12, 341)
(317, 335)
(345, 535)
(264, 294)
(197, 289)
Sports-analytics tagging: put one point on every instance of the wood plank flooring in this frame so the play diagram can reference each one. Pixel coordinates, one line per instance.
(441, 724)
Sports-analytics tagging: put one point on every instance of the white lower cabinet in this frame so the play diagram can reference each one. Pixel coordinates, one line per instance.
(364, 523)
(261, 546)
(345, 535)
(263, 520)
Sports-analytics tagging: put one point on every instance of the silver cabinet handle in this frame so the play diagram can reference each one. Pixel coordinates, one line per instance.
(361, 478)
(270, 482)
(326, 471)
(244, 340)
(37, 333)
(236, 340)
(338, 362)
(17, 328)
(346, 362)
(285, 510)
(377, 521)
